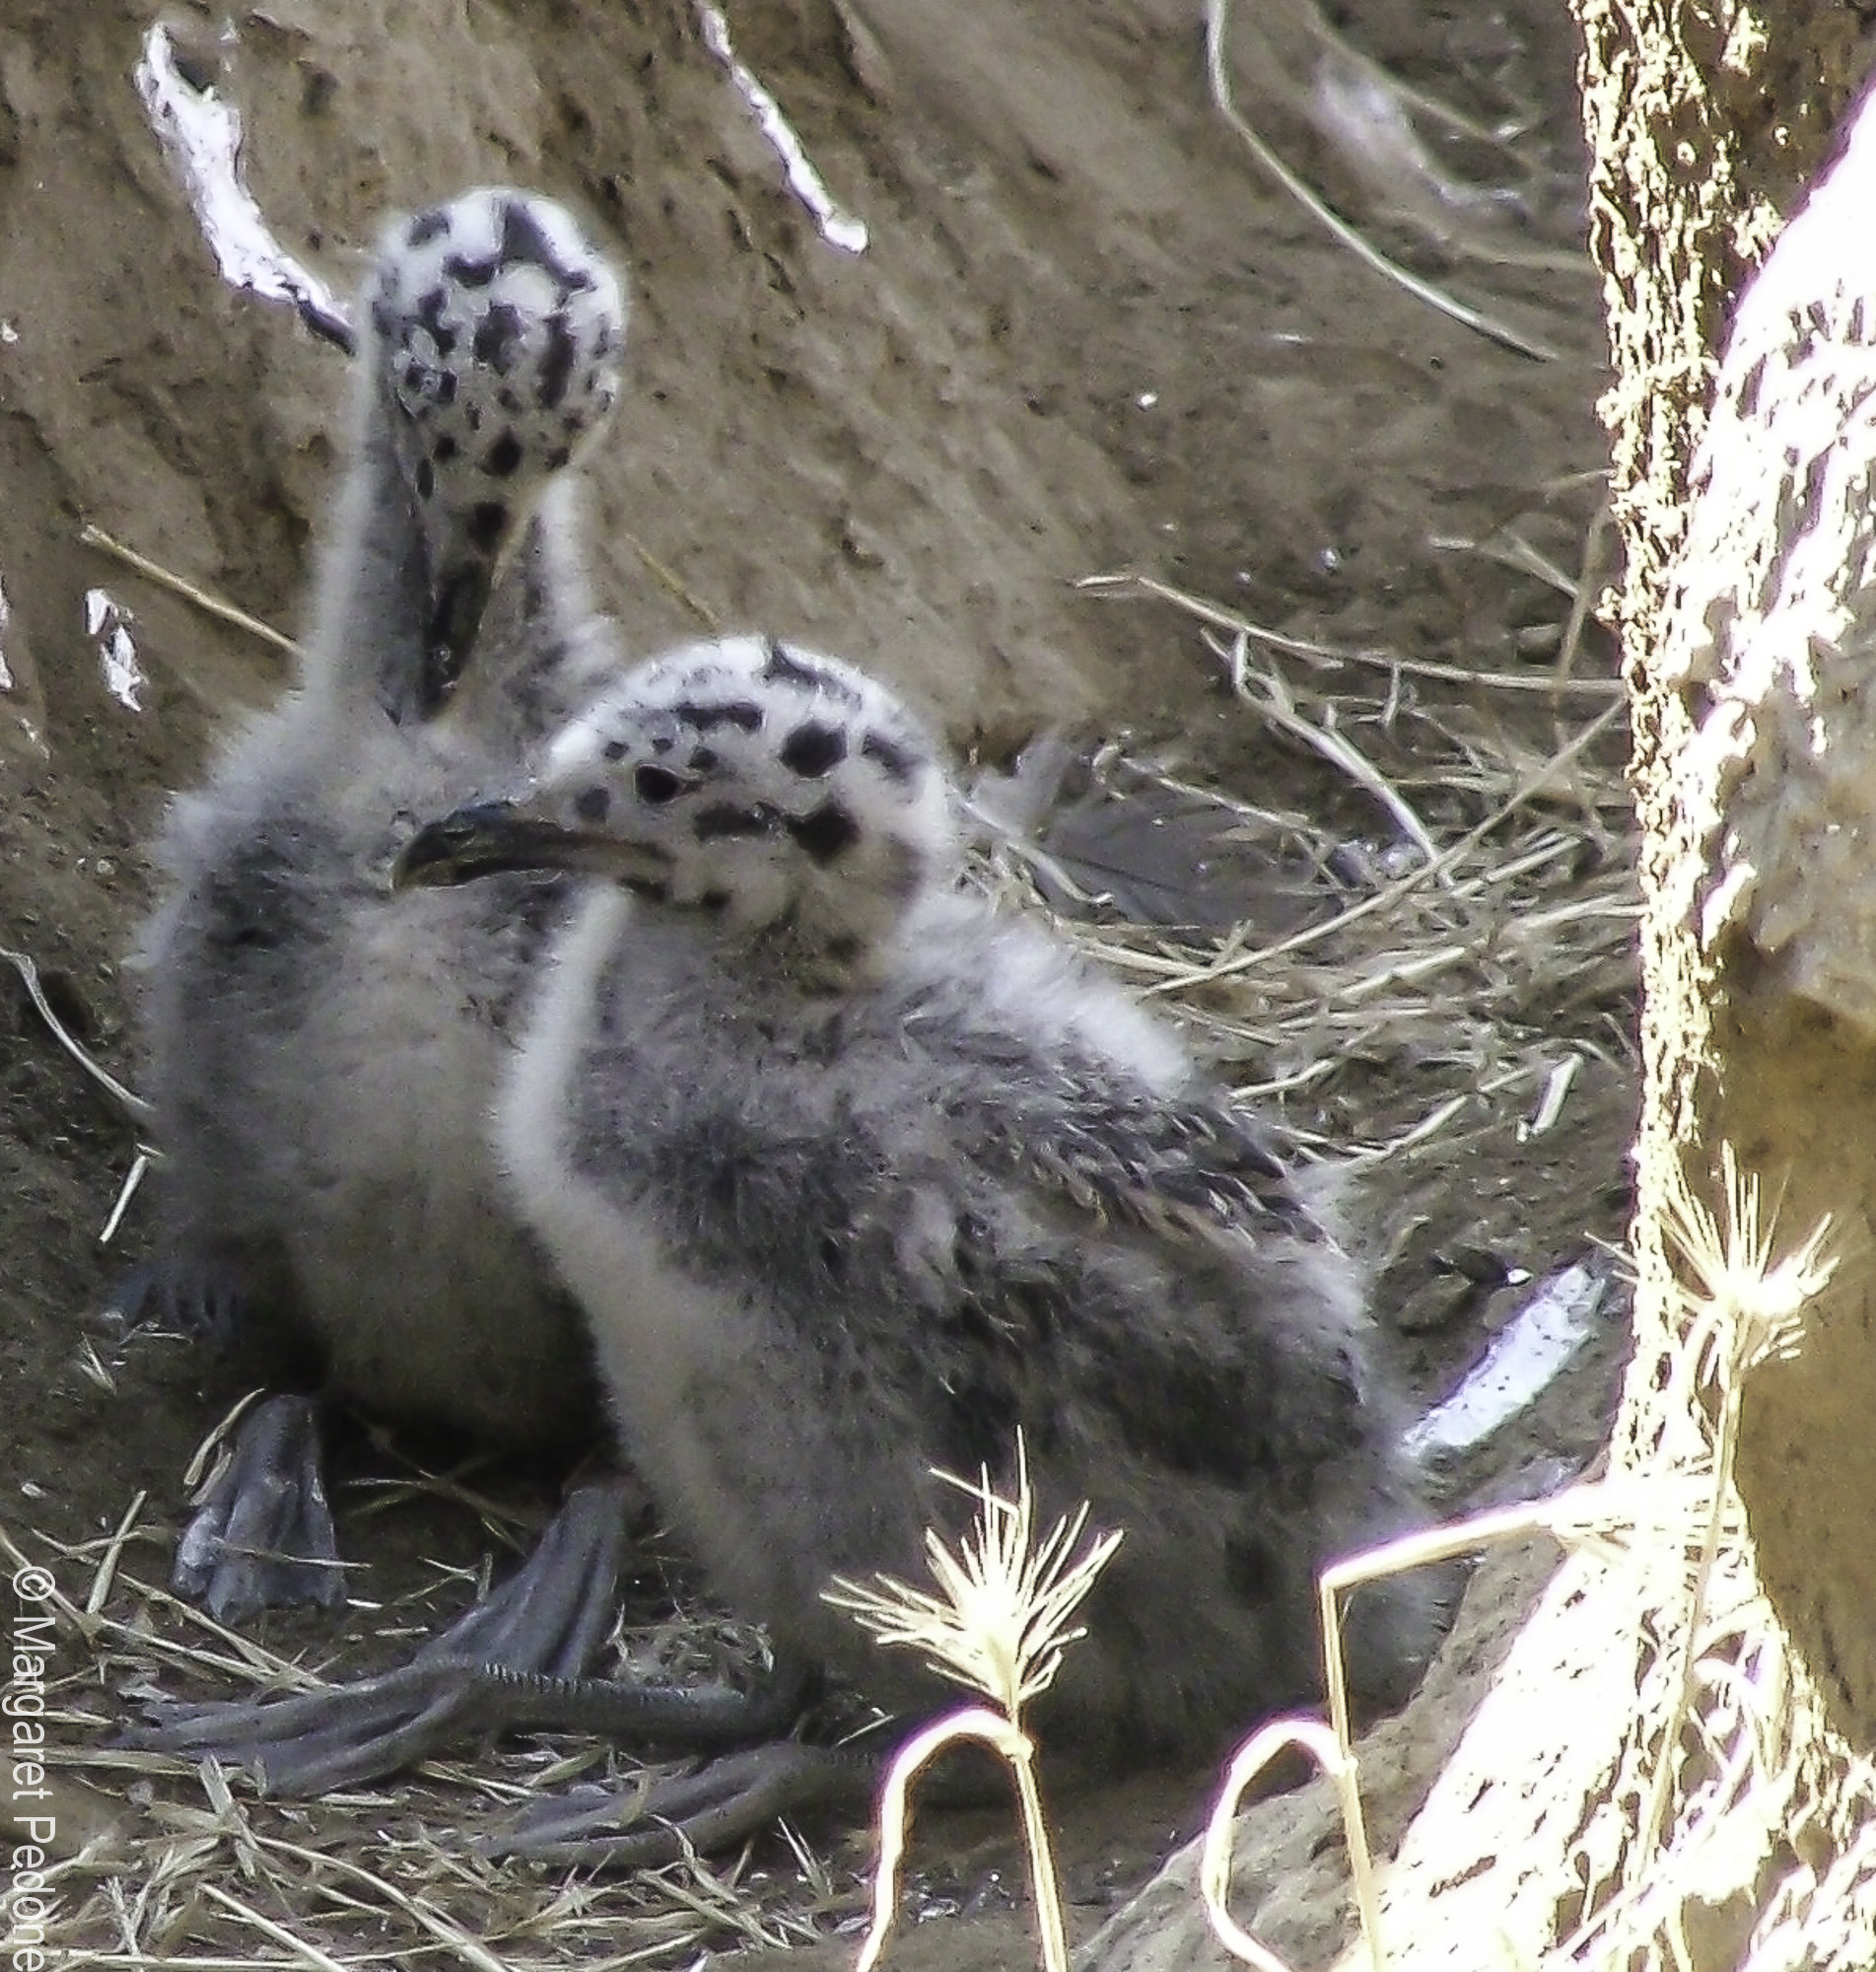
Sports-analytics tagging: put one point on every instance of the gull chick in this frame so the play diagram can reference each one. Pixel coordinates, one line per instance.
(856, 1177)
(322, 1051)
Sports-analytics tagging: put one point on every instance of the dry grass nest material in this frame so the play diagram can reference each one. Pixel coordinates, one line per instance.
(1463, 966)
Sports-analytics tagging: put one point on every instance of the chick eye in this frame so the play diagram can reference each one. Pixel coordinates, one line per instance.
(656, 785)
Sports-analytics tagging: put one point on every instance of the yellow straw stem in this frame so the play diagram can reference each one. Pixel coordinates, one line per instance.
(1055, 1938)
(975, 1723)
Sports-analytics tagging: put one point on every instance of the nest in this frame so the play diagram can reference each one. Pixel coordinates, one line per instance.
(1453, 854)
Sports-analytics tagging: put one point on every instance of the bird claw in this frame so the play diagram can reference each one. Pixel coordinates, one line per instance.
(205, 1298)
(718, 1805)
(513, 1658)
(263, 1533)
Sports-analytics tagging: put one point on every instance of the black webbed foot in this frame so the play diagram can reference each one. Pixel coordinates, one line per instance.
(719, 1804)
(321, 1740)
(513, 1660)
(263, 1533)
(206, 1298)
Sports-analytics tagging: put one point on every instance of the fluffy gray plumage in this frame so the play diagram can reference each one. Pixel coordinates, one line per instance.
(854, 1176)
(322, 1052)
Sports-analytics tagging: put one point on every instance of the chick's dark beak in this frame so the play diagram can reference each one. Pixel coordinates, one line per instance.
(462, 549)
(461, 601)
(480, 841)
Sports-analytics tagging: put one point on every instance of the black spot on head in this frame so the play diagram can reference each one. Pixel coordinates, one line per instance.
(829, 832)
(844, 948)
(737, 712)
(813, 749)
(503, 457)
(426, 478)
(498, 338)
(426, 227)
(429, 315)
(414, 378)
(523, 240)
(593, 804)
(469, 273)
(444, 449)
(704, 760)
(715, 902)
(507, 399)
(487, 520)
(558, 458)
(898, 763)
(446, 394)
(656, 785)
(614, 749)
(782, 667)
(722, 818)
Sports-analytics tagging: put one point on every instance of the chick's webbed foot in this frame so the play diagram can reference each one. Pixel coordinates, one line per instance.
(261, 1535)
(322, 1741)
(207, 1297)
(262, 1532)
(722, 1803)
(513, 1660)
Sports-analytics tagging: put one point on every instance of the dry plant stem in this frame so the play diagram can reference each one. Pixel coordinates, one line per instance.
(206, 1452)
(1042, 1869)
(999, 1627)
(301, 1948)
(1221, 618)
(135, 1104)
(250, 1661)
(92, 537)
(1330, 1752)
(439, 1927)
(1217, 14)
(1745, 1308)
(1580, 1514)
(1420, 98)
(1412, 881)
(1505, 548)
(1596, 543)
(210, 605)
(1655, 1820)
(668, 579)
(107, 1573)
(979, 1722)
(1277, 704)
(133, 1181)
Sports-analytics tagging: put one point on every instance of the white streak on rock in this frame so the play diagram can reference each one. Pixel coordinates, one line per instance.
(202, 137)
(109, 624)
(1523, 1361)
(839, 229)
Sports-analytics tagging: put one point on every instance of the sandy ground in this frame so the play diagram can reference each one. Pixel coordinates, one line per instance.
(1087, 333)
